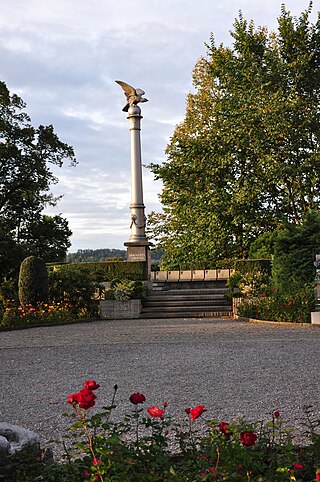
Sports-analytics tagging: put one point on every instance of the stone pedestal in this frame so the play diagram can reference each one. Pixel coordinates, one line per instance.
(138, 252)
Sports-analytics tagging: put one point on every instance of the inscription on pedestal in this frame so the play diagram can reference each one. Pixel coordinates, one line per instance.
(136, 253)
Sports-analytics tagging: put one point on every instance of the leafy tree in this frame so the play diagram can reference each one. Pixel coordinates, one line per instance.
(246, 158)
(25, 179)
(48, 237)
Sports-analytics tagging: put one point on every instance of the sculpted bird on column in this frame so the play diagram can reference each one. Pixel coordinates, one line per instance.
(134, 96)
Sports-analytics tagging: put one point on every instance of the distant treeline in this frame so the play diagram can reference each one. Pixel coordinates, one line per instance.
(96, 255)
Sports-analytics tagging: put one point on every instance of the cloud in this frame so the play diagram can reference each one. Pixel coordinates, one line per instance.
(63, 58)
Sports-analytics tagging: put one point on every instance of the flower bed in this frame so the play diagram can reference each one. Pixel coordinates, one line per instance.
(137, 448)
(295, 308)
(43, 314)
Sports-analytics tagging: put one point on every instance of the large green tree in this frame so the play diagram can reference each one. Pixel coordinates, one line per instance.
(26, 153)
(246, 158)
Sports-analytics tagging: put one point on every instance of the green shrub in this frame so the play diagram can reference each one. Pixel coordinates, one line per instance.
(295, 307)
(125, 290)
(33, 282)
(252, 277)
(9, 293)
(76, 288)
(294, 253)
(245, 266)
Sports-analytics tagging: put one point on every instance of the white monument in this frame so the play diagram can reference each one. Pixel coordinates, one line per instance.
(138, 245)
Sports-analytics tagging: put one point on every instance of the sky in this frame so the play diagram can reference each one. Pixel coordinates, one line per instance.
(63, 57)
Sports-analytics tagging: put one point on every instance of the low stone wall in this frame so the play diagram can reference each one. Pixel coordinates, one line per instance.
(120, 310)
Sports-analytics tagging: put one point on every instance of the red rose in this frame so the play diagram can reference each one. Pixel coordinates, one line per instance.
(90, 385)
(155, 411)
(74, 398)
(85, 398)
(188, 410)
(165, 404)
(223, 427)
(196, 412)
(136, 398)
(276, 414)
(248, 438)
(318, 474)
(298, 466)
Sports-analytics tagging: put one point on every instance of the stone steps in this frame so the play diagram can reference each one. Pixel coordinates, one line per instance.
(172, 300)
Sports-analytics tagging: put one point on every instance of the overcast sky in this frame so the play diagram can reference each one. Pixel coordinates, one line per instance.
(63, 57)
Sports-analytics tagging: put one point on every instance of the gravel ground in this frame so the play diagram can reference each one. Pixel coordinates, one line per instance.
(236, 369)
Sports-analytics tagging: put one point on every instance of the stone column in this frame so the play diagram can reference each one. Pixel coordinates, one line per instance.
(138, 245)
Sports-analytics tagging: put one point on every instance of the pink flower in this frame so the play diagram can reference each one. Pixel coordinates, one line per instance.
(196, 412)
(248, 438)
(136, 398)
(155, 412)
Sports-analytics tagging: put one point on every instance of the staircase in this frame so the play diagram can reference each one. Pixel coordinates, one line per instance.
(187, 300)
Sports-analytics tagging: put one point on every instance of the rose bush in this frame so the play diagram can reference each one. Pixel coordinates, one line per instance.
(42, 314)
(136, 448)
(274, 306)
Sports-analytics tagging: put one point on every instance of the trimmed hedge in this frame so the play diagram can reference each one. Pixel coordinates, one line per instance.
(33, 282)
(240, 265)
(244, 266)
(108, 270)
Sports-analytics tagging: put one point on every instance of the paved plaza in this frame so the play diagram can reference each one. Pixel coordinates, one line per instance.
(233, 368)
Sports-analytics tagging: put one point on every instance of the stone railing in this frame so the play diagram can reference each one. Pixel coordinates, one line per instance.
(192, 275)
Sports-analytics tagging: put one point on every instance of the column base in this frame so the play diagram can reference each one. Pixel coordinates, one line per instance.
(140, 252)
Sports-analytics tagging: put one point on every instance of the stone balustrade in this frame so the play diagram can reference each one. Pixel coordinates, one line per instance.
(192, 275)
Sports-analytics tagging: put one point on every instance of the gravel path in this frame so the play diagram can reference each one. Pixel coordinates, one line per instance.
(234, 368)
